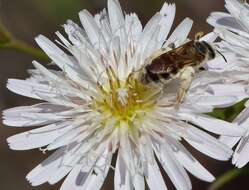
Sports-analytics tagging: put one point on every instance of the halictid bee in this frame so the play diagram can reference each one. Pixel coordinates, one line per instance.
(180, 63)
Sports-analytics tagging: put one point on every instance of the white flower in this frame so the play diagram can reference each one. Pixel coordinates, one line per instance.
(95, 107)
(233, 28)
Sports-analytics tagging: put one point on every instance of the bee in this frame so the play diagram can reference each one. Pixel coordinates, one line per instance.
(181, 63)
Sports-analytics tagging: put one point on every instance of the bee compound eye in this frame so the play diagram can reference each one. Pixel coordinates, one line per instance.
(201, 48)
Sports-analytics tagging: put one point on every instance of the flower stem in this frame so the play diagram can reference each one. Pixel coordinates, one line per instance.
(5, 36)
(7, 41)
(25, 48)
(227, 177)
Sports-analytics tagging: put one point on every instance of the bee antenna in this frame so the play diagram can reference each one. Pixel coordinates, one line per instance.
(222, 55)
(164, 42)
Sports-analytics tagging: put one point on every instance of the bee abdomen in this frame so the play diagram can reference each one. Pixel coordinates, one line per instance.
(150, 76)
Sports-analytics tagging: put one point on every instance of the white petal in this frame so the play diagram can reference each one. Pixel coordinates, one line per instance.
(93, 31)
(39, 114)
(227, 90)
(189, 162)
(65, 62)
(133, 26)
(147, 41)
(138, 182)
(74, 179)
(209, 37)
(168, 15)
(40, 91)
(37, 137)
(116, 18)
(67, 163)
(180, 34)
(102, 20)
(214, 125)
(21, 87)
(219, 19)
(243, 118)
(207, 144)
(229, 141)
(172, 167)
(66, 138)
(217, 101)
(154, 178)
(95, 180)
(234, 7)
(220, 65)
(54, 52)
(82, 173)
(241, 154)
(27, 116)
(44, 171)
(244, 13)
(46, 72)
(233, 38)
(122, 178)
(156, 30)
(75, 34)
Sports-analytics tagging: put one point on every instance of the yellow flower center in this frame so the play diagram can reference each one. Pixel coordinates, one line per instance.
(125, 101)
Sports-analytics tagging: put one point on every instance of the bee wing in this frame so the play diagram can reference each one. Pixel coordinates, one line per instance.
(172, 61)
(185, 55)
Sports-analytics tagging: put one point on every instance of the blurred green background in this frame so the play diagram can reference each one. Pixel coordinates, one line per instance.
(25, 19)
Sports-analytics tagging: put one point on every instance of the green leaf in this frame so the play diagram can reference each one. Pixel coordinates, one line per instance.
(229, 113)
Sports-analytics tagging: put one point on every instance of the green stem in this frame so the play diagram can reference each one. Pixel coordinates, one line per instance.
(5, 36)
(7, 41)
(25, 48)
(227, 177)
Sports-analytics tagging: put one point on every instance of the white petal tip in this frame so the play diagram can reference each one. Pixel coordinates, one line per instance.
(39, 38)
(210, 179)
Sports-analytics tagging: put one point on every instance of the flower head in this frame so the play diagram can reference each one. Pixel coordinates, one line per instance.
(233, 28)
(95, 106)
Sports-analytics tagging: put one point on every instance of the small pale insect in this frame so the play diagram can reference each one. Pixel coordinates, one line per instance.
(180, 63)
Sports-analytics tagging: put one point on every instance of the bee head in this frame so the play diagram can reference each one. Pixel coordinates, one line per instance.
(205, 49)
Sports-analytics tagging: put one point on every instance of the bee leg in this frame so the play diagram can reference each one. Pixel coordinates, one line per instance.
(186, 76)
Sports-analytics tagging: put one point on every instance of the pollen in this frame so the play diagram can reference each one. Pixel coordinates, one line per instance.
(126, 101)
